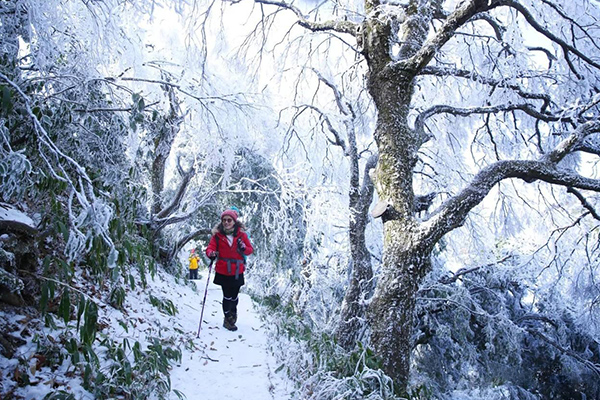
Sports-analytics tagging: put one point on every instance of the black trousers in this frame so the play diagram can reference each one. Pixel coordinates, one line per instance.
(231, 290)
(230, 299)
(194, 273)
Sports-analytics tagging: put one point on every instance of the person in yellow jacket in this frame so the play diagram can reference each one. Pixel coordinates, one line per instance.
(194, 264)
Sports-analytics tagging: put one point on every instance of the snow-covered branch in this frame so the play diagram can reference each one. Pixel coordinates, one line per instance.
(584, 202)
(495, 83)
(454, 211)
(566, 47)
(94, 215)
(572, 142)
(459, 17)
(443, 109)
(341, 26)
(176, 201)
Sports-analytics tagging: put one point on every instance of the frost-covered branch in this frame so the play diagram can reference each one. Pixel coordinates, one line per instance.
(204, 100)
(586, 204)
(341, 26)
(566, 47)
(444, 109)
(463, 13)
(187, 238)
(571, 143)
(454, 211)
(499, 30)
(345, 109)
(94, 215)
(176, 201)
(475, 77)
(337, 137)
(594, 367)
(464, 271)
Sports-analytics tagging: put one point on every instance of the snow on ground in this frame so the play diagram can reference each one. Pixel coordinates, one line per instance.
(227, 365)
(218, 365)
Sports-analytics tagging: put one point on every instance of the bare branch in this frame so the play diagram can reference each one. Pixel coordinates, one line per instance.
(337, 138)
(184, 240)
(344, 109)
(499, 30)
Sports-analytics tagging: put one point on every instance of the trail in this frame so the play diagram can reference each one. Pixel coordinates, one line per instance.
(226, 365)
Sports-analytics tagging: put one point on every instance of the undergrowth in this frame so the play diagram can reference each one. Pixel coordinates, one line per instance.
(321, 369)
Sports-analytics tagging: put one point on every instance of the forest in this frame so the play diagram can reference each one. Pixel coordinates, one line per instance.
(419, 178)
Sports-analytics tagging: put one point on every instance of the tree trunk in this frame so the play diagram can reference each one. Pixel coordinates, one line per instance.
(352, 325)
(405, 260)
(165, 131)
(157, 181)
(391, 309)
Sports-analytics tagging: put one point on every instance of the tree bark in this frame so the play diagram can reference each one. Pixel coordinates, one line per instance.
(166, 131)
(352, 323)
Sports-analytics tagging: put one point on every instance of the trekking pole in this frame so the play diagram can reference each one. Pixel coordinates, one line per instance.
(204, 301)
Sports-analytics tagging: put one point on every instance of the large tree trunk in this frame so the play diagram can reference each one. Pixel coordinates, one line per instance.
(405, 260)
(391, 309)
(399, 42)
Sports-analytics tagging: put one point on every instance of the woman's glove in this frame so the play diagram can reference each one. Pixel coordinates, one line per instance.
(212, 255)
(241, 245)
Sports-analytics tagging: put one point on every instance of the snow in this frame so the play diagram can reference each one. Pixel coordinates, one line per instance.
(233, 365)
(9, 213)
(217, 364)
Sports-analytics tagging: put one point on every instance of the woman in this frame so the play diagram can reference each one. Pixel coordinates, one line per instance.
(229, 245)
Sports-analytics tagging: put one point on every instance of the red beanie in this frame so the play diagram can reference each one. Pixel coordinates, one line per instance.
(230, 213)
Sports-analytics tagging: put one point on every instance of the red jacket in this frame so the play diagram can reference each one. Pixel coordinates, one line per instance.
(230, 261)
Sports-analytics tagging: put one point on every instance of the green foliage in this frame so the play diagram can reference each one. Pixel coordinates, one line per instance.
(117, 297)
(50, 170)
(59, 395)
(89, 327)
(137, 112)
(47, 292)
(132, 370)
(126, 371)
(64, 308)
(164, 305)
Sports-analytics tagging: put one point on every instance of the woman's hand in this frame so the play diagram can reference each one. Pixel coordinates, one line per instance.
(241, 245)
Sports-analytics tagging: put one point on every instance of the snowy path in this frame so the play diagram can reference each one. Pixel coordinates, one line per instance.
(226, 365)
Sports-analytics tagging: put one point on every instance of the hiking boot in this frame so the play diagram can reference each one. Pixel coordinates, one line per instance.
(233, 315)
(229, 324)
